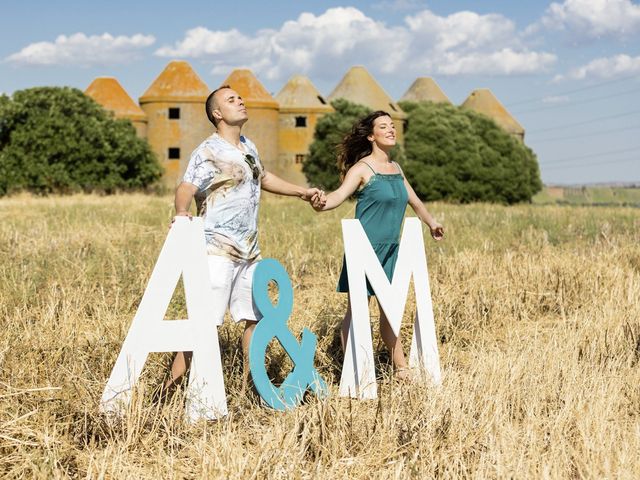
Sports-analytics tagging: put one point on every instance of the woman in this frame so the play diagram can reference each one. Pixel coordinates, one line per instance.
(382, 193)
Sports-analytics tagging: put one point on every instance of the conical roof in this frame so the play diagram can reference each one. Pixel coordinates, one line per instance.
(359, 86)
(243, 81)
(485, 102)
(178, 82)
(425, 89)
(108, 92)
(300, 94)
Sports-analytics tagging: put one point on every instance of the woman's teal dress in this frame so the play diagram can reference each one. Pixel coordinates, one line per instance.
(380, 207)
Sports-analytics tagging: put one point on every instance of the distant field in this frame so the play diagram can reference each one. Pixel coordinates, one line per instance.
(538, 320)
(589, 196)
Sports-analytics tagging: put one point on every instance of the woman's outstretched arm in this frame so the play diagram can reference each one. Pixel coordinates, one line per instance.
(351, 182)
(437, 230)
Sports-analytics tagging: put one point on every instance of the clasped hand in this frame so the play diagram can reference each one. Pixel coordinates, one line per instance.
(316, 198)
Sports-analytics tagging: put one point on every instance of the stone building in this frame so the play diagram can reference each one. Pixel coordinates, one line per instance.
(263, 110)
(177, 122)
(484, 102)
(108, 92)
(359, 86)
(172, 114)
(301, 106)
(425, 89)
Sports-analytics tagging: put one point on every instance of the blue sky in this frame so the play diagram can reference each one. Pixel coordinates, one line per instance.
(569, 71)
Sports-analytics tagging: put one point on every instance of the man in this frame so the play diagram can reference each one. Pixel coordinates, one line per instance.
(225, 176)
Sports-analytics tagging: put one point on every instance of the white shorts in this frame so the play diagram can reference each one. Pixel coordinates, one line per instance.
(231, 288)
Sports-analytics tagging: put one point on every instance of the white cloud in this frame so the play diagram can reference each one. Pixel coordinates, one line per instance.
(468, 43)
(80, 49)
(200, 42)
(462, 30)
(594, 18)
(606, 67)
(503, 62)
(321, 45)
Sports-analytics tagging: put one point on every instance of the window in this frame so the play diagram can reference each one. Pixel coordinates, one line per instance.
(393, 108)
(174, 153)
(174, 113)
(301, 122)
(322, 100)
(300, 158)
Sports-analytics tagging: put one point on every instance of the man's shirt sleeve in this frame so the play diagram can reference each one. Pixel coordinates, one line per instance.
(200, 171)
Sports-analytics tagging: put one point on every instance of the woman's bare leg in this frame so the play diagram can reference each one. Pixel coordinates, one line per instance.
(394, 345)
(346, 324)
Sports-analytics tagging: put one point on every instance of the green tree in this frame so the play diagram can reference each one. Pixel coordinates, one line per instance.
(320, 168)
(459, 155)
(56, 139)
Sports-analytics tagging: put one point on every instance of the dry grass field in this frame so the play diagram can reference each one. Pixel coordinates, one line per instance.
(537, 311)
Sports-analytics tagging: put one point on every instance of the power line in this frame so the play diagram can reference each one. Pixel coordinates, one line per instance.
(576, 90)
(591, 155)
(591, 134)
(621, 160)
(586, 122)
(579, 102)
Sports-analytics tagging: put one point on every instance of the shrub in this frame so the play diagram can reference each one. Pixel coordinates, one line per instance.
(56, 139)
(458, 155)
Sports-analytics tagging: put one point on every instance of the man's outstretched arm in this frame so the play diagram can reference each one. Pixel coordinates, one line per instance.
(274, 184)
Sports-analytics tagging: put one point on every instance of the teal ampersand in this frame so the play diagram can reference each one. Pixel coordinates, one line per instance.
(274, 325)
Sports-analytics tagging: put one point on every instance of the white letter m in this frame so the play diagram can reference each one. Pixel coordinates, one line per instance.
(358, 371)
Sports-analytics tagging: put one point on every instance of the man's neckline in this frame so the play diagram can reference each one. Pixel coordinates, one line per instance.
(243, 150)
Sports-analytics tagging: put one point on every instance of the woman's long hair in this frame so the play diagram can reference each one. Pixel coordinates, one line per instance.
(355, 144)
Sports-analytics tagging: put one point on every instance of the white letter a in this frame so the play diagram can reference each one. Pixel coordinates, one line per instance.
(184, 252)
